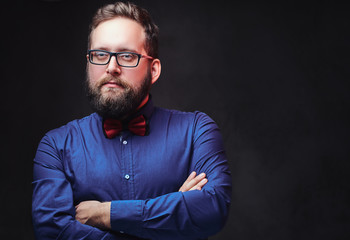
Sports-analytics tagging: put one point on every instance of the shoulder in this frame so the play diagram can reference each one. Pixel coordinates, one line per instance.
(49, 151)
(72, 128)
(178, 113)
(196, 118)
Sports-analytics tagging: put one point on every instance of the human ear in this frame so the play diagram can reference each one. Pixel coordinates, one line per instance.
(155, 70)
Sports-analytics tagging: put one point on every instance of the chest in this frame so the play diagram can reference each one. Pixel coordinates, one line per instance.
(129, 167)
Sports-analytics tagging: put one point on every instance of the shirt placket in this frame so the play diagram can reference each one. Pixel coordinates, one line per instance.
(128, 169)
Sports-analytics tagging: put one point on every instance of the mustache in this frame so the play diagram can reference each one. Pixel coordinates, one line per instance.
(115, 80)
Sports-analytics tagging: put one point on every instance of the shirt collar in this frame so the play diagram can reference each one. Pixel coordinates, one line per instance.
(146, 110)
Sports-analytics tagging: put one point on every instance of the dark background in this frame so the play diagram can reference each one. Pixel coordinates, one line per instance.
(275, 77)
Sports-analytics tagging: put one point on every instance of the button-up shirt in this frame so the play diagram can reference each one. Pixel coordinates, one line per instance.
(140, 175)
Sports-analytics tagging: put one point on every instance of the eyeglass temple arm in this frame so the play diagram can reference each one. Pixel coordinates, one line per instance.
(148, 57)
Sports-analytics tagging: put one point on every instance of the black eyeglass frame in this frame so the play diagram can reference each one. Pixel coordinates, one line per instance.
(111, 54)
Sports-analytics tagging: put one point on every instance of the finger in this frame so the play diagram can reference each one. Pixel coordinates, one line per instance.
(184, 187)
(81, 220)
(194, 181)
(192, 176)
(199, 185)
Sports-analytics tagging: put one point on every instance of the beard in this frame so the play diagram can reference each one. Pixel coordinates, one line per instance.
(117, 103)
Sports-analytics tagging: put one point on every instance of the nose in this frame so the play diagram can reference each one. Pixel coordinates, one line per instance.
(113, 68)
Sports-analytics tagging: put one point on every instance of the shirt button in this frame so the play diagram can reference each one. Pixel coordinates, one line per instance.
(127, 176)
(125, 142)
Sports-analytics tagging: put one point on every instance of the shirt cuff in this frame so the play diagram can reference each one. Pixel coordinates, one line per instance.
(126, 216)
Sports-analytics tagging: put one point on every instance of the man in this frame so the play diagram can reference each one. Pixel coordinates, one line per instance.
(129, 171)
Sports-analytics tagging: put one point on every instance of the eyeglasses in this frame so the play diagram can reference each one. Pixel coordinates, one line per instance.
(124, 59)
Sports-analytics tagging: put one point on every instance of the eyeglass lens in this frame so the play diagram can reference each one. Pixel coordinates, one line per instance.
(126, 59)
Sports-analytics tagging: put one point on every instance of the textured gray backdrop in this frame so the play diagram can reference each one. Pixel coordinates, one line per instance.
(275, 77)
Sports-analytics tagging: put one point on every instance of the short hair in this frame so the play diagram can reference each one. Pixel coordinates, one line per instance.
(133, 12)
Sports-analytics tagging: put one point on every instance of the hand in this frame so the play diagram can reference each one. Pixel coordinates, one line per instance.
(94, 213)
(194, 182)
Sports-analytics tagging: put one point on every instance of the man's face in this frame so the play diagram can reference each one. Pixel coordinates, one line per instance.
(116, 91)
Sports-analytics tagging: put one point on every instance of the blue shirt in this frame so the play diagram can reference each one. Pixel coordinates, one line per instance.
(140, 175)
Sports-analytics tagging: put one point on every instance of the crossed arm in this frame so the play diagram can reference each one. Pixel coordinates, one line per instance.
(176, 215)
(97, 214)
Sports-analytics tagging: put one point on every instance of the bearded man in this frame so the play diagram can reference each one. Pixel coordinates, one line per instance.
(130, 170)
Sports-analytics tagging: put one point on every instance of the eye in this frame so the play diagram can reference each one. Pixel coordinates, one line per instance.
(100, 55)
(127, 56)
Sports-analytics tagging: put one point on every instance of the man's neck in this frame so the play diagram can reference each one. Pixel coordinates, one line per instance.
(144, 101)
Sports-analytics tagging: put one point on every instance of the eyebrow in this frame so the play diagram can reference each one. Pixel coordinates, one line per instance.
(119, 50)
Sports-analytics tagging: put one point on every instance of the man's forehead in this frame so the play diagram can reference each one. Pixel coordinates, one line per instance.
(119, 31)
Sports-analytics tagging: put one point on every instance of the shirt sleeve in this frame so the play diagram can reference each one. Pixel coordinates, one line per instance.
(184, 215)
(53, 211)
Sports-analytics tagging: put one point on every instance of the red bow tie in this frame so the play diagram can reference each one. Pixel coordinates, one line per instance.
(113, 127)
